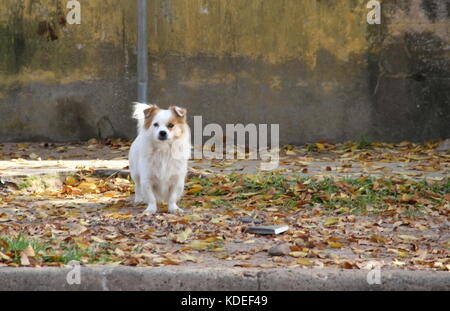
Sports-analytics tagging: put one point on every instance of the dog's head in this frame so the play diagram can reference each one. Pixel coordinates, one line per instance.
(165, 125)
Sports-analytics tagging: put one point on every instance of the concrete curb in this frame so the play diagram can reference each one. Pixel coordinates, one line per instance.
(207, 279)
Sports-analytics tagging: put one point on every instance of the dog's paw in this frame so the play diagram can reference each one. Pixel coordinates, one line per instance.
(175, 209)
(151, 209)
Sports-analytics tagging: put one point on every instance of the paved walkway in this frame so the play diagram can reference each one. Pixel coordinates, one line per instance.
(405, 160)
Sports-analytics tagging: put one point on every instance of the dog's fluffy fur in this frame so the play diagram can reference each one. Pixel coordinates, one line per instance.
(158, 161)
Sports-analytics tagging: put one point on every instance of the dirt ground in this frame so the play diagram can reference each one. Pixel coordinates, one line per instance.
(346, 205)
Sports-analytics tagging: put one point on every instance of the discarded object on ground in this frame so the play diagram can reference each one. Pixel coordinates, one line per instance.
(268, 229)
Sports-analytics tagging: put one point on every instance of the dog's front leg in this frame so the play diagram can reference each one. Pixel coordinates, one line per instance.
(151, 200)
(138, 197)
(175, 193)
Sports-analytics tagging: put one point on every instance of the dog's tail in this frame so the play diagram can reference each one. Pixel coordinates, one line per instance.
(139, 115)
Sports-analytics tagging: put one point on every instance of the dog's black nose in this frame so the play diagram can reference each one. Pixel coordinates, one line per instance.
(162, 135)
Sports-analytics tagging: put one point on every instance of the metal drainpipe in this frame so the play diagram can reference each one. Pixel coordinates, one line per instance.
(142, 51)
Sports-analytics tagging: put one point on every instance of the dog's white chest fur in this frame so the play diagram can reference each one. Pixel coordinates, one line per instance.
(163, 170)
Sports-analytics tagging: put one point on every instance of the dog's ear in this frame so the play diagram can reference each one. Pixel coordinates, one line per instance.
(150, 111)
(180, 112)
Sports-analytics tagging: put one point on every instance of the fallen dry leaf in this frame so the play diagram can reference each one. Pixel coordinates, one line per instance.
(305, 262)
(24, 261)
(29, 251)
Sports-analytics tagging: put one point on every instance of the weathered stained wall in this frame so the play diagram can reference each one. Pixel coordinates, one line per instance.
(313, 66)
(66, 82)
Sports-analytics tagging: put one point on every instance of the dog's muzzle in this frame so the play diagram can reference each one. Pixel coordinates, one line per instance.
(162, 135)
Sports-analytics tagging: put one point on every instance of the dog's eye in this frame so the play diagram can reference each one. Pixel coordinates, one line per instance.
(155, 124)
(170, 125)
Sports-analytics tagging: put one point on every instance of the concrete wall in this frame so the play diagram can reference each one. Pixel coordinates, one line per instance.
(313, 66)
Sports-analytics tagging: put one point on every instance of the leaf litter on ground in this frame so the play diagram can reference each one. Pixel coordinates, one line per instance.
(400, 221)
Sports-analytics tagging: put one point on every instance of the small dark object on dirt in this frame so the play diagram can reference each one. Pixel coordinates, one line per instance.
(279, 250)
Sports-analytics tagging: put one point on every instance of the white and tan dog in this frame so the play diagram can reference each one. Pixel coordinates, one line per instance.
(159, 156)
